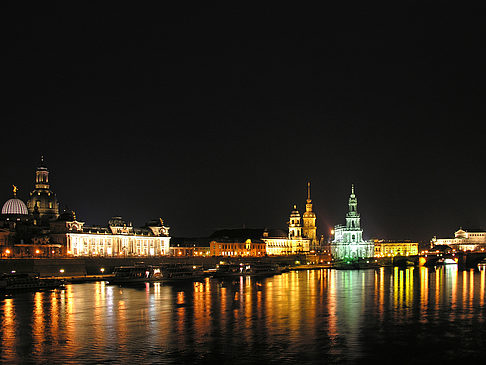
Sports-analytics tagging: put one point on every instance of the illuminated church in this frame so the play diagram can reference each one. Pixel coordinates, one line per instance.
(38, 229)
(42, 203)
(301, 236)
(348, 240)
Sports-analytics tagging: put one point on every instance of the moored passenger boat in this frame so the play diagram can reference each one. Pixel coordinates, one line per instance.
(27, 281)
(247, 269)
(181, 272)
(136, 274)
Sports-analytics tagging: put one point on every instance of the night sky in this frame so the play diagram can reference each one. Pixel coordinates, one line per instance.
(217, 117)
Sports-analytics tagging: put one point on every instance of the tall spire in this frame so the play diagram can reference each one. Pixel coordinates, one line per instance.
(353, 202)
(308, 192)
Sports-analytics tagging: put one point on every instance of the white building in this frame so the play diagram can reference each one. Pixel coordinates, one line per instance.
(464, 240)
(118, 239)
(348, 240)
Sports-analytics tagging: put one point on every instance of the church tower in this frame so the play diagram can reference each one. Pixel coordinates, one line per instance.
(309, 222)
(295, 228)
(42, 203)
(348, 241)
(353, 231)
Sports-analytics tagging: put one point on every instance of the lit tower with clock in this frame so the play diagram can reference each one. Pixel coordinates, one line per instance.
(309, 222)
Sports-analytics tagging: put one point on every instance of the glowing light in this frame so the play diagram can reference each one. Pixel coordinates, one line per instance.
(37, 251)
(7, 251)
(61, 271)
(102, 270)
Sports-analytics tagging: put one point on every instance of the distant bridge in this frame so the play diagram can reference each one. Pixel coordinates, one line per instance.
(464, 260)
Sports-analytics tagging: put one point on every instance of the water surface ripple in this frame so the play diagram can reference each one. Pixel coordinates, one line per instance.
(417, 315)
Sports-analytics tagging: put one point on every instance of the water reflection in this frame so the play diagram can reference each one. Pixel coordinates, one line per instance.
(301, 316)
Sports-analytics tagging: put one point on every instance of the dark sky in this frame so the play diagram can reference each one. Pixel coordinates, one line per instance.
(216, 117)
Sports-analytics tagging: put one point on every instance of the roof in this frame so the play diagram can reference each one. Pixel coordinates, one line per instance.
(15, 206)
(237, 235)
(277, 233)
(190, 241)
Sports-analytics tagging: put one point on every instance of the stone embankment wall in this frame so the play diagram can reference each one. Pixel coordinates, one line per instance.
(94, 266)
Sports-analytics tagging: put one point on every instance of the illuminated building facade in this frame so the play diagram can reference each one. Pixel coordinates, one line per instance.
(348, 240)
(464, 240)
(237, 242)
(277, 243)
(194, 246)
(118, 239)
(36, 229)
(247, 248)
(385, 248)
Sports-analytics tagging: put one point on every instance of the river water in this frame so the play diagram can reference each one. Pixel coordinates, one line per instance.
(387, 315)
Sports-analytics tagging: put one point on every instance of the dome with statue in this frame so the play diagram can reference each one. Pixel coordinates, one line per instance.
(14, 206)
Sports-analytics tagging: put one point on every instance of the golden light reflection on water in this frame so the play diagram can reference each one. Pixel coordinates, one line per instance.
(8, 329)
(424, 292)
(283, 314)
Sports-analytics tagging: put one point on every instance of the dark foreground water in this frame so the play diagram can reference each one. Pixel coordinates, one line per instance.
(327, 316)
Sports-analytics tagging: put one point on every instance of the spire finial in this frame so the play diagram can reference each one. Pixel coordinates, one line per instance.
(308, 190)
(15, 190)
(352, 188)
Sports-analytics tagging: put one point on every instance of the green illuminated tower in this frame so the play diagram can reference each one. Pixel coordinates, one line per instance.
(348, 239)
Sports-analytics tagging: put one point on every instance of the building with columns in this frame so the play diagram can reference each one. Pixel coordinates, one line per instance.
(38, 230)
(348, 240)
(464, 240)
(118, 239)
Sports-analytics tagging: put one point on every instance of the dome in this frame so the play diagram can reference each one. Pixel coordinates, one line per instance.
(15, 206)
(295, 213)
(67, 216)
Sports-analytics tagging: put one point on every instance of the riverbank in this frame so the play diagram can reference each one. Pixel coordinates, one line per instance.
(102, 266)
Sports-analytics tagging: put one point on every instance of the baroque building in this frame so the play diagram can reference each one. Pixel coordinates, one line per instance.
(36, 229)
(118, 239)
(42, 204)
(237, 242)
(464, 240)
(309, 229)
(348, 240)
(277, 243)
(395, 248)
